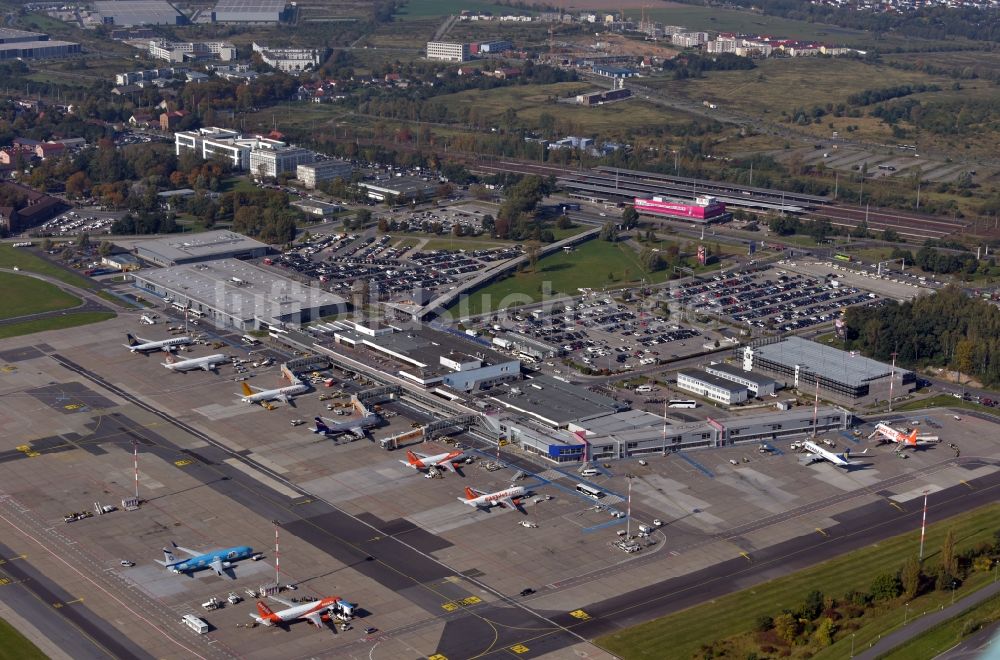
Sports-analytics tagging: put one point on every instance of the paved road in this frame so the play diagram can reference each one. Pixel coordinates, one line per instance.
(79, 631)
(925, 623)
(983, 645)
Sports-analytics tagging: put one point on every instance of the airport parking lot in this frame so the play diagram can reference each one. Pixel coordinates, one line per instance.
(771, 298)
(338, 260)
(242, 466)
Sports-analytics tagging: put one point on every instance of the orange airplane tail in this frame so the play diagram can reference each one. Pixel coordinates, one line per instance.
(246, 390)
(265, 611)
(411, 457)
(912, 438)
(469, 495)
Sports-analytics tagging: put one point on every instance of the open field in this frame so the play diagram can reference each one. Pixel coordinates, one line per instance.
(14, 646)
(53, 323)
(942, 637)
(680, 635)
(426, 8)
(25, 260)
(596, 264)
(25, 295)
(943, 400)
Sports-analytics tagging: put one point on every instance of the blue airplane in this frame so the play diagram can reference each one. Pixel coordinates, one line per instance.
(218, 560)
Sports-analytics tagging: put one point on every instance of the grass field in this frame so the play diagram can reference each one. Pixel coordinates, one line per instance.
(681, 635)
(944, 401)
(427, 8)
(942, 637)
(15, 646)
(53, 323)
(25, 260)
(25, 295)
(595, 264)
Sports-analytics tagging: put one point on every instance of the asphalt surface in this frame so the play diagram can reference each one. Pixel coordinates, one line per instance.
(393, 553)
(983, 645)
(75, 628)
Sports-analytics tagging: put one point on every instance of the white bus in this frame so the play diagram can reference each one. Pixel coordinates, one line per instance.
(590, 491)
(195, 623)
(682, 403)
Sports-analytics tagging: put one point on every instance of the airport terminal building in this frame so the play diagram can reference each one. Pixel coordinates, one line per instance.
(206, 246)
(230, 293)
(431, 357)
(842, 376)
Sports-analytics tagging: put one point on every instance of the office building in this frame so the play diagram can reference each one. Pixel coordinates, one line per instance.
(758, 385)
(313, 174)
(206, 246)
(291, 60)
(712, 387)
(271, 158)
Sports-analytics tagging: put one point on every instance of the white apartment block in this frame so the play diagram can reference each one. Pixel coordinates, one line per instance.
(325, 170)
(260, 156)
(447, 51)
(291, 60)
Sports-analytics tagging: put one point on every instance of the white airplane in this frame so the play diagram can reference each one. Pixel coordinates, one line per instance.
(138, 344)
(206, 363)
(481, 500)
(817, 453)
(426, 462)
(355, 427)
(283, 394)
(889, 434)
(313, 611)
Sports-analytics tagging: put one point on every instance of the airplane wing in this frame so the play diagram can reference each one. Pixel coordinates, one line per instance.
(447, 465)
(208, 366)
(217, 566)
(812, 458)
(193, 553)
(357, 431)
(284, 602)
(508, 503)
(314, 618)
(282, 397)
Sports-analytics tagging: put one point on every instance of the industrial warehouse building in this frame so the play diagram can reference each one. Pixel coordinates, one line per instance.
(400, 188)
(842, 376)
(206, 246)
(249, 11)
(432, 357)
(126, 13)
(758, 385)
(18, 44)
(712, 387)
(230, 293)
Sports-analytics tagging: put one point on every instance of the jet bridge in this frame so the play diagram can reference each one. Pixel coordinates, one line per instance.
(425, 432)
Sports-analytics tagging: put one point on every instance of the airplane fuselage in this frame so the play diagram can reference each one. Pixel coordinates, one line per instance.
(268, 395)
(163, 345)
(226, 555)
(490, 499)
(206, 363)
(825, 454)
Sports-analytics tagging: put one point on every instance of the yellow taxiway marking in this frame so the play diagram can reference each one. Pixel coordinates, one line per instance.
(71, 602)
(896, 504)
(579, 614)
(519, 648)
(57, 605)
(183, 462)
(449, 606)
(437, 656)
(962, 481)
(746, 556)
(471, 600)
(305, 501)
(4, 581)
(823, 532)
(73, 406)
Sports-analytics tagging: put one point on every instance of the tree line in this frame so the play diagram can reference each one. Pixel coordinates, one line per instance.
(944, 329)
(872, 96)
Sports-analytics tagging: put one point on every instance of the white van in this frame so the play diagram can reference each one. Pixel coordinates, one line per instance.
(195, 623)
(590, 472)
(644, 389)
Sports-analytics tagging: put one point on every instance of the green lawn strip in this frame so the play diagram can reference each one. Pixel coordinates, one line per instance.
(943, 401)
(25, 260)
(15, 646)
(60, 322)
(681, 635)
(23, 295)
(947, 634)
(416, 9)
(595, 264)
(116, 300)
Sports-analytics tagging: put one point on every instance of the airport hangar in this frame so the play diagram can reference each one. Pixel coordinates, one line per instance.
(235, 294)
(127, 13)
(845, 377)
(562, 422)
(207, 246)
